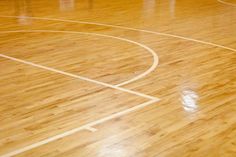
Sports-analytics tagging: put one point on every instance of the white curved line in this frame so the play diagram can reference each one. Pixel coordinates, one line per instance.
(126, 28)
(79, 77)
(152, 52)
(227, 3)
(114, 26)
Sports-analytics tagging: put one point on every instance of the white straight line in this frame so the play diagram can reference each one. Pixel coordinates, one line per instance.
(126, 28)
(90, 125)
(227, 3)
(107, 25)
(119, 114)
(73, 131)
(79, 77)
(91, 129)
(151, 51)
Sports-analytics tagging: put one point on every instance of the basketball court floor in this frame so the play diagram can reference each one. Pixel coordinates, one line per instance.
(124, 78)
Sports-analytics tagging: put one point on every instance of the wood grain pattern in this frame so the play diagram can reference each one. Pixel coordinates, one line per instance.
(195, 81)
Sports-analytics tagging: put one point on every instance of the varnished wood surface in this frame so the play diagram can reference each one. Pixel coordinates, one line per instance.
(195, 81)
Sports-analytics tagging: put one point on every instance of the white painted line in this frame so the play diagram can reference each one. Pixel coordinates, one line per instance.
(126, 28)
(91, 129)
(152, 52)
(114, 115)
(151, 69)
(133, 29)
(227, 3)
(73, 131)
(90, 125)
(79, 77)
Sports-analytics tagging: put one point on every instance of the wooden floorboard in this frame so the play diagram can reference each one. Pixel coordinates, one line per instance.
(99, 78)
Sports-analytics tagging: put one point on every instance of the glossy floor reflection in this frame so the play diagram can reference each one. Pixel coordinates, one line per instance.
(84, 78)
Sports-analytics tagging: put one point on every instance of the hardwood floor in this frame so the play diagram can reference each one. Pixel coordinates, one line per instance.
(95, 78)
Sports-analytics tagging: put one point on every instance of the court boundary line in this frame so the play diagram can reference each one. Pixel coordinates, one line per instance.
(88, 126)
(148, 49)
(79, 77)
(92, 129)
(125, 28)
(114, 26)
(226, 3)
(76, 130)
